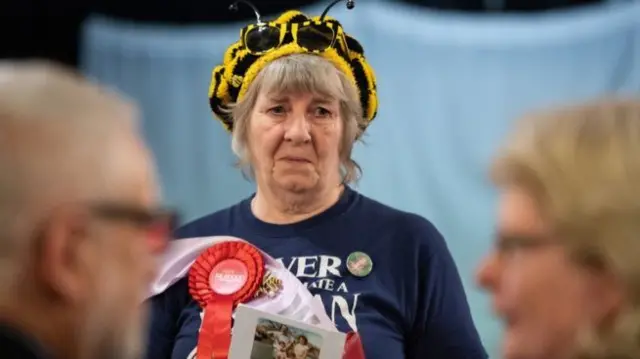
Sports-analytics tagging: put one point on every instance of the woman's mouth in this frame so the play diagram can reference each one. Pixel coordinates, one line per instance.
(296, 159)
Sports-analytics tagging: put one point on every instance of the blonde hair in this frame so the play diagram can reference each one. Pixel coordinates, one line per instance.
(303, 73)
(582, 164)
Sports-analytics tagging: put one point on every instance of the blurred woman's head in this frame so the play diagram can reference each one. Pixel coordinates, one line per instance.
(565, 276)
(302, 340)
(296, 126)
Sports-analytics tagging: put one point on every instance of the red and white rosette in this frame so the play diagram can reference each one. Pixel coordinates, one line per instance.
(223, 276)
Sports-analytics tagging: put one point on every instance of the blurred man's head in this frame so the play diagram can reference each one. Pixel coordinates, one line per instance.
(78, 213)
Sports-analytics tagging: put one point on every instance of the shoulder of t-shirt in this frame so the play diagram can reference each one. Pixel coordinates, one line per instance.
(413, 244)
(213, 224)
(413, 229)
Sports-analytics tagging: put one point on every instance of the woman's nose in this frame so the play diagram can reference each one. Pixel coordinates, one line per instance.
(487, 272)
(298, 129)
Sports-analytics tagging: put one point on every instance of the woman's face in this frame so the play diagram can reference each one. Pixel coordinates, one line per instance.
(541, 295)
(294, 141)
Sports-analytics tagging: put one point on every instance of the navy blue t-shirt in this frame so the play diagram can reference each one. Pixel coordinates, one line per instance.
(412, 305)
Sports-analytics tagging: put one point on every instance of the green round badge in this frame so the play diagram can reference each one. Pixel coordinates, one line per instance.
(359, 264)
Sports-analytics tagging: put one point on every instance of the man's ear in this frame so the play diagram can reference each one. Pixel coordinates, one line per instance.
(63, 254)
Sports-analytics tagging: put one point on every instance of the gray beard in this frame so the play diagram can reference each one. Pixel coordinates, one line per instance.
(100, 340)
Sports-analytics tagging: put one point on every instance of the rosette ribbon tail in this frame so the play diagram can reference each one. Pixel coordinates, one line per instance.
(353, 347)
(223, 276)
(214, 339)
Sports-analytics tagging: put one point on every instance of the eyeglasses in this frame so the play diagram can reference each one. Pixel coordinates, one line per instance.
(511, 244)
(158, 224)
(314, 35)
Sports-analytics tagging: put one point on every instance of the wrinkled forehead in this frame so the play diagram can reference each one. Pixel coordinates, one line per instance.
(289, 97)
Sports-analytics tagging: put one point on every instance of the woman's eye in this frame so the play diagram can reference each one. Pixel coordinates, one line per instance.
(278, 110)
(322, 112)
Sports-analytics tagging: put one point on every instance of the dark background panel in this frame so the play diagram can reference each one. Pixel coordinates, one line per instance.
(50, 29)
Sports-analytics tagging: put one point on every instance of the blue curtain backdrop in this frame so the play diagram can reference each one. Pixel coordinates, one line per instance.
(450, 85)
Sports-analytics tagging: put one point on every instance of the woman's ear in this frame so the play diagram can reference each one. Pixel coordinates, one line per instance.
(606, 295)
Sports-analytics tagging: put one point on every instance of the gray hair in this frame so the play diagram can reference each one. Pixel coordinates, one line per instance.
(57, 139)
(303, 73)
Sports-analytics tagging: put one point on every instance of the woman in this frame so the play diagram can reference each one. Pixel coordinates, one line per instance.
(296, 94)
(300, 347)
(565, 275)
(280, 343)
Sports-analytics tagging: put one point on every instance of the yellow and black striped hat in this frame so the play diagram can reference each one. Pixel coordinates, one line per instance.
(291, 33)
